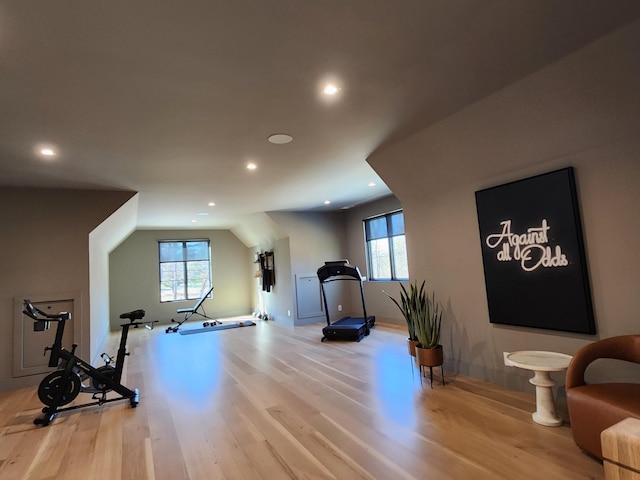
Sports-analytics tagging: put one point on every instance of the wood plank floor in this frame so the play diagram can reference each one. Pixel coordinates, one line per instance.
(273, 402)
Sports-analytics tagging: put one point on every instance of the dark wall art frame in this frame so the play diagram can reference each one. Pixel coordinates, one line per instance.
(533, 254)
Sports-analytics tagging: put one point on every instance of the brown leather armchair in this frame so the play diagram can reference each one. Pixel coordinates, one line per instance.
(595, 407)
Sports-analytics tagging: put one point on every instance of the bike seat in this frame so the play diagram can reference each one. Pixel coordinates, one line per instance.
(133, 315)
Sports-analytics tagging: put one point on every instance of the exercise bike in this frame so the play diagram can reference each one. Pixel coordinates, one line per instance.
(74, 375)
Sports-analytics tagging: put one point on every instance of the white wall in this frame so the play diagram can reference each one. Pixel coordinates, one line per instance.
(102, 240)
(583, 111)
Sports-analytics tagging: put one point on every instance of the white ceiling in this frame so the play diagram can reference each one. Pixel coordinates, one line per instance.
(173, 98)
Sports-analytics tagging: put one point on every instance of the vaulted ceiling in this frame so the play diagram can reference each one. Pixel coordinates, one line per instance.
(173, 99)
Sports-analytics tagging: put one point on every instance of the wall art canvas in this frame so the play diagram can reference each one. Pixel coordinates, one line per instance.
(533, 254)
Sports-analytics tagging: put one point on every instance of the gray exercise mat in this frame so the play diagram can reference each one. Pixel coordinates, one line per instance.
(223, 326)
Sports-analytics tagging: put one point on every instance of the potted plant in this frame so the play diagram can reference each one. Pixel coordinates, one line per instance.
(424, 318)
(410, 307)
(427, 325)
(428, 322)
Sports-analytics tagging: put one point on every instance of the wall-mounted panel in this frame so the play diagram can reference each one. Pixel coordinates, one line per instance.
(308, 296)
(29, 356)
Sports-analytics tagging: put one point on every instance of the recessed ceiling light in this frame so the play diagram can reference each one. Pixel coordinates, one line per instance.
(46, 151)
(327, 202)
(194, 221)
(280, 138)
(330, 89)
(371, 184)
(211, 204)
(251, 166)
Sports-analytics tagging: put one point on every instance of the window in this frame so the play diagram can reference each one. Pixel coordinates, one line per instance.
(185, 269)
(386, 247)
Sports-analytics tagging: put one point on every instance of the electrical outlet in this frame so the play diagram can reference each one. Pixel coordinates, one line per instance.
(339, 308)
(507, 362)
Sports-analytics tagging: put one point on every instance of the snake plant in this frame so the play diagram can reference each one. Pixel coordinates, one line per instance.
(422, 314)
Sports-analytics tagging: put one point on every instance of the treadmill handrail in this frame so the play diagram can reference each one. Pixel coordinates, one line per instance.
(330, 270)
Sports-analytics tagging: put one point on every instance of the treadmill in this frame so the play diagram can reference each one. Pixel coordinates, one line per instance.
(347, 328)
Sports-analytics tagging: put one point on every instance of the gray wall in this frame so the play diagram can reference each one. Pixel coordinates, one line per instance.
(278, 302)
(45, 252)
(313, 238)
(377, 303)
(582, 111)
(134, 276)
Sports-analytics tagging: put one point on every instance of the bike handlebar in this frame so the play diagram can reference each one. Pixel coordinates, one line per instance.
(32, 311)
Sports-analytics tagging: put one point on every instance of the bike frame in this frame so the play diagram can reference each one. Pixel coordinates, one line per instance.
(58, 352)
(70, 364)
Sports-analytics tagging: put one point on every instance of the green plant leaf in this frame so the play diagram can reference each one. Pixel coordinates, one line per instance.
(422, 314)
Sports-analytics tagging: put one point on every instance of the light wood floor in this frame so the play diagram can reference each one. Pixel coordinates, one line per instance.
(273, 402)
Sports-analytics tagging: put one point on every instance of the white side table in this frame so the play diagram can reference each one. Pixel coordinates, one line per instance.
(542, 363)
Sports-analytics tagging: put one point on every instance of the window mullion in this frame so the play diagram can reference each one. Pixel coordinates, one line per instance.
(392, 258)
(390, 243)
(185, 291)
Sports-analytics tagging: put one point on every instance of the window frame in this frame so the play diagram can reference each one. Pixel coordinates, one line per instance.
(392, 257)
(185, 270)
